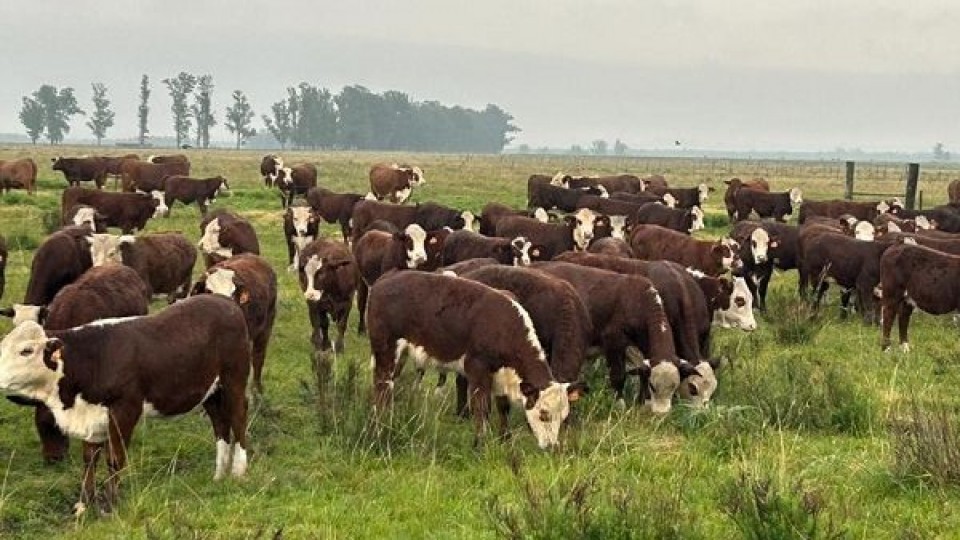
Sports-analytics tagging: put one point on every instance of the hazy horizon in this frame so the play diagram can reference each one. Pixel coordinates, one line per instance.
(733, 76)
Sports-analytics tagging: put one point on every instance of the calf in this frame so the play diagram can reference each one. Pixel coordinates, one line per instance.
(99, 379)
(863, 211)
(85, 169)
(916, 277)
(394, 182)
(296, 180)
(763, 245)
(652, 242)
(3, 264)
(300, 227)
(86, 216)
(621, 183)
(462, 245)
(164, 261)
(685, 221)
(546, 196)
(492, 212)
(18, 173)
(686, 197)
(270, 167)
(328, 278)
(226, 234)
(574, 233)
(203, 191)
(430, 216)
(485, 333)
(147, 176)
(730, 302)
(61, 258)
(334, 207)
(775, 205)
(100, 293)
(127, 211)
(655, 181)
(248, 280)
(734, 185)
(626, 310)
(941, 218)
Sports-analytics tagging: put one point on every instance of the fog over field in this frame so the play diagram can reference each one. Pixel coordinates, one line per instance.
(878, 75)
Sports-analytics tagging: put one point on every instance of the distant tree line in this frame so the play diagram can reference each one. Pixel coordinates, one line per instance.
(309, 117)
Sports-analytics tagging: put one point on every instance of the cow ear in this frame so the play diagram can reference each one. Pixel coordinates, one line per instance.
(243, 295)
(576, 390)
(727, 182)
(53, 353)
(686, 369)
(199, 287)
(717, 363)
(530, 393)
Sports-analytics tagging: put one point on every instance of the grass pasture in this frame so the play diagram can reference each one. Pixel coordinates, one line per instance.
(813, 431)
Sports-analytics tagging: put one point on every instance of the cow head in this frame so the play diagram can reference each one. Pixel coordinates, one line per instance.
(669, 200)
(560, 180)
(301, 218)
(210, 241)
(759, 245)
(865, 231)
(581, 224)
(29, 361)
(20, 313)
(319, 274)
(541, 215)
(546, 409)
(922, 222)
(469, 220)
(89, 217)
(699, 384)
(696, 223)
(725, 252)
(224, 188)
(703, 191)
(284, 176)
(796, 196)
(740, 313)
(57, 163)
(433, 246)
(222, 281)
(414, 175)
(160, 207)
(413, 238)
(520, 249)
(105, 248)
(619, 228)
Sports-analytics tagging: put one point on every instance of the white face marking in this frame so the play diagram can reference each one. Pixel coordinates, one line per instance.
(864, 231)
(705, 383)
(740, 313)
(664, 380)
(161, 209)
(893, 227)
(313, 264)
(300, 215)
(583, 230)
(558, 180)
(22, 371)
(922, 222)
(401, 195)
(85, 216)
(669, 200)
(531, 333)
(286, 175)
(418, 179)
(25, 312)
(220, 281)
(796, 197)
(468, 220)
(223, 459)
(883, 207)
(541, 215)
(730, 262)
(703, 191)
(418, 254)
(522, 246)
(548, 413)
(105, 249)
(210, 242)
(759, 244)
(697, 219)
(618, 226)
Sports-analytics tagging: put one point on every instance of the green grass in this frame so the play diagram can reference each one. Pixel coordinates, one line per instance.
(806, 412)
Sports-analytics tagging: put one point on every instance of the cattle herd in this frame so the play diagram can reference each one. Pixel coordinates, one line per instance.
(514, 302)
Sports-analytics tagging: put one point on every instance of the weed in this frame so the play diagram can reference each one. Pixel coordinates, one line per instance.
(926, 444)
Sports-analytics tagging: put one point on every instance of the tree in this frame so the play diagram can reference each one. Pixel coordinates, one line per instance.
(576, 150)
(180, 87)
(599, 147)
(279, 126)
(620, 148)
(32, 118)
(102, 117)
(313, 117)
(144, 110)
(939, 154)
(238, 117)
(58, 106)
(202, 111)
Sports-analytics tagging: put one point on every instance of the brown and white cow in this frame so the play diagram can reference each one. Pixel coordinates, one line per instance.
(248, 280)
(270, 167)
(203, 191)
(766, 205)
(734, 185)
(83, 169)
(147, 176)
(296, 180)
(863, 211)
(100, 378)
(164, 261)
(225, 234)
(685, 197)
(575, 233)
(300, 227)
(620, 183)
(393, 182)
(685, 221)
(334, 207)
(730, 302)
(61, 258)
(652, 242)
(127, 211)
(487, 335)
(86, 216)
(328, 278)
(492, 212)
(18, 173)
(463, 244)
(430, 216)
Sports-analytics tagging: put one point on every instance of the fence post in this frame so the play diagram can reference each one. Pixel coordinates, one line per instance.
(913, 176)
(848, 190)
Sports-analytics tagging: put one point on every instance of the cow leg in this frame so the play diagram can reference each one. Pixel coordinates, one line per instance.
(766, 272)
(503, 415)
(844, 302)
(479, 382)
(362, 291)
(888, 313)
(906, 310)
(54, 444)
(441, 382)
(342, 316)
(122, 422)
(221, 431)
(750, 278)
(615, 354)
(822, 287)
(461, 395)
(258, 355)
(385, 358)
(238, 405)
(318, 319)
(345, 230)
(88, 486)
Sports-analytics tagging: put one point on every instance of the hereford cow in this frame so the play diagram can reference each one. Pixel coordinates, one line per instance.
(171, 158)
(462, 245)
(85, 169)
(127, 211)
(3, 264)
(113, 166)
(492, 212)
(764, 245)
(248, 280)
(942, 218)
(652, 242)
(730, 302)
(438, 317)
(766, 205)
(61, 258)
(620, 183)
(99, 379)
(328, 278)
(300, 227)
(86, 216)
(203, 191)
(270, 167)
(225, 234)
(610, 246)
(734, 185)
(394, 183)
(296, 180)
(430, 216)
(547, 196)
(655, 181)
(575, 232)
(100, 293)
(863, 211)
(147, 176)
(334, 207)
(18, 173)
(164, 261)
(685, 197)
(685, 221)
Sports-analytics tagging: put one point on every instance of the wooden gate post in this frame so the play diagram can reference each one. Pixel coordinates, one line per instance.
(913, 177)
(848, 190)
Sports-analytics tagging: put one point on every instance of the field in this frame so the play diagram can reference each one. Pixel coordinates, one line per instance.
(813, 431)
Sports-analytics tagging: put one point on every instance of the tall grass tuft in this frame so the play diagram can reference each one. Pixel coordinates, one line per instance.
(578, 507)
(794, 322)
(926, 444)
(762, 509)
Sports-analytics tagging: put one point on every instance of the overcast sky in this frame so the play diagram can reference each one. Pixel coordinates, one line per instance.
(729, 74)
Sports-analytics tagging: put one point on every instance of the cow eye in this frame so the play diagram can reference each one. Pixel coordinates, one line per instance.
(740, 302)
(544, 415)
(27, 352)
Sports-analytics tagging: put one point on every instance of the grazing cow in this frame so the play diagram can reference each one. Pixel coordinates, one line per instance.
(164, 261)
(147, 176)
(61, 258)
(610, 246)
(3, 264)
(226, 234)
(547, 196)
(575, 232)
(916, 277)
(652, 242)
(85, 169)
(462, 245)
(492, 212)
(946, 245)
(100, 378)
(730, 302)
(270, 167)
(655, 181)
(775, 205)
(248, 280)
(626, 310)
(334, 207)
(18, 173)
(430, 216)
(394, 182)
(685, 221)
(296, 180)
(127, 211)
(942, 218)
(328, 278)
(203, 191)
(609, 207)
(621, 183)
(113, 166)
(734, 185)
(87, 216)
(686, 197)
(170, 158)
(300, 227)
(863, 211)
(100, 293)
(685, 306)
(764, 245)
(468, 265)
(487, 335)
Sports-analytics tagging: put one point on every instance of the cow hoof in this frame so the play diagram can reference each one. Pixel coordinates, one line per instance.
(621, 404)
(79, 509)
(905, 347)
